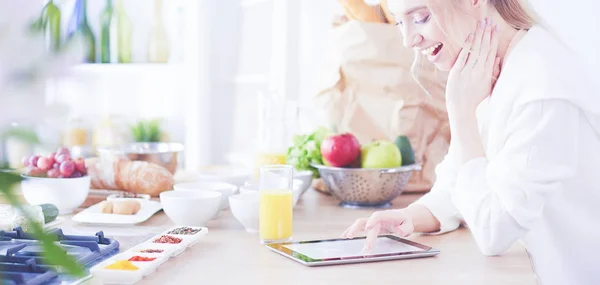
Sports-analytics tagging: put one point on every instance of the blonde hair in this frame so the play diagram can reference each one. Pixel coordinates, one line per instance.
(516, 13)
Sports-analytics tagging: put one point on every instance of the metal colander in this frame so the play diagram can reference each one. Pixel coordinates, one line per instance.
(360, 187)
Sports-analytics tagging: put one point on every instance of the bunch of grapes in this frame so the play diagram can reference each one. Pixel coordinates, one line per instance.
(58, 164)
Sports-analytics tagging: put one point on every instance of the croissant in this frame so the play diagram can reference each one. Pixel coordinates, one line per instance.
(139, 177)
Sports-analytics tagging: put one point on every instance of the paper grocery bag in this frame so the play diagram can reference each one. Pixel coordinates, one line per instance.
(369, 91)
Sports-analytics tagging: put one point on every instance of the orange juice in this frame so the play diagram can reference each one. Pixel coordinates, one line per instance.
(265, 158)
(275, 220)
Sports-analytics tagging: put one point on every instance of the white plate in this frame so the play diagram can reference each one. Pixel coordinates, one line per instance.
(93, 215)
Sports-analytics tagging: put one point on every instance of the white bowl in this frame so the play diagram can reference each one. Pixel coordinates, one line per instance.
(252, 186)
(225, 189)
(228, 174)
(67, 194)
(245, 209)
(191, 208)
(306, 176)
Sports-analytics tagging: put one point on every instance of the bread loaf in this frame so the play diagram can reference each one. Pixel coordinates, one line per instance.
(133, 176)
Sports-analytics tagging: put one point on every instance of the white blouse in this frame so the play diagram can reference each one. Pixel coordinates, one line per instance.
(537, 183)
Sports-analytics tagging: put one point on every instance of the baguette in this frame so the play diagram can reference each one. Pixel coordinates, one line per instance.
(139, 177)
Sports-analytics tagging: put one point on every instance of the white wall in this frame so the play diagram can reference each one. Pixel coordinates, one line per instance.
(577, 23)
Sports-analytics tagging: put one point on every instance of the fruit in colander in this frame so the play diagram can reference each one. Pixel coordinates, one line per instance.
(380, 154)
(340, 150)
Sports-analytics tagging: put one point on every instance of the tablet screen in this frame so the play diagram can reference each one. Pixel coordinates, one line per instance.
(344, 248)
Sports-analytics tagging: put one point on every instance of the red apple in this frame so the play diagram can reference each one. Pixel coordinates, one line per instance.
(340, 150)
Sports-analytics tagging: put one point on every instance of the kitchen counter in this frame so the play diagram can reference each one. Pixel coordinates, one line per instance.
(230, 255)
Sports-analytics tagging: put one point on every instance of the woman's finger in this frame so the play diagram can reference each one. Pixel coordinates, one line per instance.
(357, 227)
(375, 219)
(372, 237)
(477, 41)
(406, 229)
(485, 46)
(491, 58)
(463, 56)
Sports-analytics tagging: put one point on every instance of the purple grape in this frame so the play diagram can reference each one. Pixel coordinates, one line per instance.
(25, 161)
(63, 158)
(63, 150)
(44, 163)
(53, 173)
(76, 174)
(33, 160)
(67, 168)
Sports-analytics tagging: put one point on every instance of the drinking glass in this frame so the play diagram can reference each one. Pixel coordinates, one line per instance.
(276, 203)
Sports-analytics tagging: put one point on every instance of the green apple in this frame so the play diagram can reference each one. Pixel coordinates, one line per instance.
(380, 154)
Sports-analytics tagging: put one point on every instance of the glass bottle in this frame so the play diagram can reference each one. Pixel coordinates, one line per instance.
(158, 46)
(51, 26)
(124, 33)
(80, 29)
(108, 34)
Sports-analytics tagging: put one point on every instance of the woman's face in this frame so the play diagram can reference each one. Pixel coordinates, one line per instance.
(423, 32)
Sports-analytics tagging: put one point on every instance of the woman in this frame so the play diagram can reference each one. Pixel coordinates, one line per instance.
(525, 148)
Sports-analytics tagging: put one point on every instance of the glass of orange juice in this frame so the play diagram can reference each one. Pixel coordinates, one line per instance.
(276, 203)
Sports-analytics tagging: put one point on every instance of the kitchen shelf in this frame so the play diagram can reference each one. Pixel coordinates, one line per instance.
(127, 69)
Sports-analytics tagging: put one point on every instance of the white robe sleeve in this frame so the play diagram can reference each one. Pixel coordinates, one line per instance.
(502, 199)
(438, 200)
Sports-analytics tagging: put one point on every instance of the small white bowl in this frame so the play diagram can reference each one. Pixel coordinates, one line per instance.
(245, 209)
(191, 208)
(67, 194)
(228, 174)
(252, 186)
(225, 189)
(306, 176)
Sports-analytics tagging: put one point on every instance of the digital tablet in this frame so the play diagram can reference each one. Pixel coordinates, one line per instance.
(344, 251)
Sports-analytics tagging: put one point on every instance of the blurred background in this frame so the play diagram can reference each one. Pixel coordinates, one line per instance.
(221, 77)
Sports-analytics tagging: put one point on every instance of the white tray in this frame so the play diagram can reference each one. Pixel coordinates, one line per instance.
(93, 215)
(111, 276)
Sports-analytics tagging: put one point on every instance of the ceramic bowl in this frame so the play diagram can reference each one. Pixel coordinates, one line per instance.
(245, 209)
(67, 194)
(228, 174)
(252, 186)
(225, 189)
(306, 176)
(191, 208)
